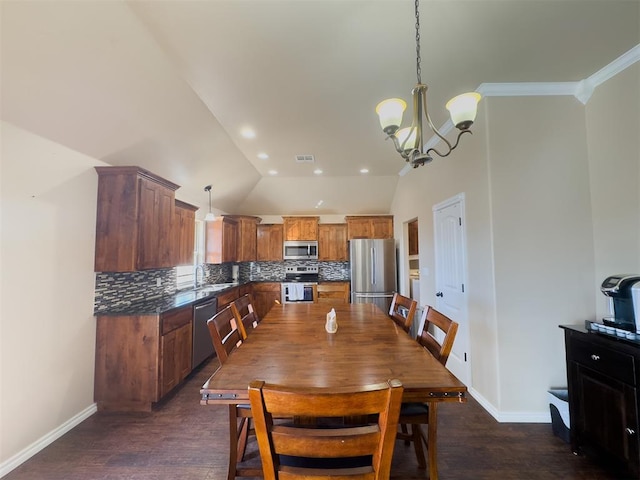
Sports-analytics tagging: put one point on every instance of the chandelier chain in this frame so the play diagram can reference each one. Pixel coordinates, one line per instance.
(418, 69)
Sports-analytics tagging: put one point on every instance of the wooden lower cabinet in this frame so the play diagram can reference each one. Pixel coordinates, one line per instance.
(333, 292)
(227, 297)
(141, 358)
(265, 295)
(603, 379)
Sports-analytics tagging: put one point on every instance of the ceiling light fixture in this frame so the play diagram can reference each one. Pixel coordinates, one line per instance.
(210, 216)
(409, 142)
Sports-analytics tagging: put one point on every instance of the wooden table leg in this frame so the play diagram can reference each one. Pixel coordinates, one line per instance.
(431, 438)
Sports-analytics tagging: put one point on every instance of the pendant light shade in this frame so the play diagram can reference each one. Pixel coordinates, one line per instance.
(463, 109)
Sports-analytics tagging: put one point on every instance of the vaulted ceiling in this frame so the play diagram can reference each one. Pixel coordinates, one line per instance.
(169, 85)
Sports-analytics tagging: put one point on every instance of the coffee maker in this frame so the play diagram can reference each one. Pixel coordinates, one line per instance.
(623, 291)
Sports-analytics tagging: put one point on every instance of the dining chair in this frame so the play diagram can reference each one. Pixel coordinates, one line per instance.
(227, 335)
(302, 450)
(417, 414)
(245, 314)
(402, 311)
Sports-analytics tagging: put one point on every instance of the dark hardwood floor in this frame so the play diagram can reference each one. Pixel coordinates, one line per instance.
(183, 440)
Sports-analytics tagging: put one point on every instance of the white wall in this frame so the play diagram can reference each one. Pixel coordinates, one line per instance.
(552, 207)
(47, 326)
(613, 126)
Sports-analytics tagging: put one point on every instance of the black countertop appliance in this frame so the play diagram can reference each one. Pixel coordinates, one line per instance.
(624, 293)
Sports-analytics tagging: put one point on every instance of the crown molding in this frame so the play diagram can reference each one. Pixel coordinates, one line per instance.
(581, 90)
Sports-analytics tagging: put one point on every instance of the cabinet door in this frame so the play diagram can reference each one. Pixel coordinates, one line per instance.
(247, 237)
(184, 234)
(333, 292)
(358, 227)
(301, 228)
(604, 415)
(382, 227)
(221, 238)
(413, 237)
(265, 296)
(332, 242)
(269, 243)
(155, 217)
(176, 345)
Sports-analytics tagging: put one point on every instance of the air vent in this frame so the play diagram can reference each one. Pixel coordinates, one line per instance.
(305, 159)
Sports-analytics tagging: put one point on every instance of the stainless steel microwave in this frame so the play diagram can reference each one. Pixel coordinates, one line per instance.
(300, 250)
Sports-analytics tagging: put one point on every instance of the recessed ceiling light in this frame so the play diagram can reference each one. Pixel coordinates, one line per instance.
(248, 132)
(317, 171)
(364, 170)
(263, 156)
(273, 172)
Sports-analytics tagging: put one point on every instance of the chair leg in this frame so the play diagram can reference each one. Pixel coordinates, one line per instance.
(432, 435)
(243, 435)
(417, 434)
(233, 442)
(403, 429)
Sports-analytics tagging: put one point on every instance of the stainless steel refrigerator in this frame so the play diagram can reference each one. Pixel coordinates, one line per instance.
(373, 271)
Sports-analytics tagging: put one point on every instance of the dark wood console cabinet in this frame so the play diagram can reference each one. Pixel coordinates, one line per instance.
(603, 378)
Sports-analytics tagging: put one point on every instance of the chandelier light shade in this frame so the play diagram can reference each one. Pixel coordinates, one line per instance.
(409, 142)
(210, 217)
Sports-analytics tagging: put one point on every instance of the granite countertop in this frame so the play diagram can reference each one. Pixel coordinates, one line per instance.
(164, 303)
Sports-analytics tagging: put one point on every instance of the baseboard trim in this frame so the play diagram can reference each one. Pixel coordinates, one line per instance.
(24, 455)
(510, 417)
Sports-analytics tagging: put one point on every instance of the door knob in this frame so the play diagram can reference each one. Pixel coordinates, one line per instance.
(630, 431)
(439, 294)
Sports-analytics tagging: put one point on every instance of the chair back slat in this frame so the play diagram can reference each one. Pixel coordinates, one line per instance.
(371, 442)
(224, 332)
(427, 340)
(245, 314)
(402, 311)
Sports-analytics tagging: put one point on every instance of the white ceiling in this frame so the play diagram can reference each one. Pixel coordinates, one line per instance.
(168, 85)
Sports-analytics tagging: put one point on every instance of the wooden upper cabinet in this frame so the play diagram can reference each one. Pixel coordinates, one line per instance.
(300, 228)
(332, 242)
(269, 242)
(413, 237)
(221, 240)
(135, 214)
(247, 237)
(375, 226)
(184, 226)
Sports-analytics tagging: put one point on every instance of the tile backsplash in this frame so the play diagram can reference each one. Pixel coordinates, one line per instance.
(124, 288)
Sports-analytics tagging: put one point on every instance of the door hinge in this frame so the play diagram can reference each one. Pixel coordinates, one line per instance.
(465, 356)
(460, 221)
(463, 288)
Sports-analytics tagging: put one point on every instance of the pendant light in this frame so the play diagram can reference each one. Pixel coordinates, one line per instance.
(210, 216)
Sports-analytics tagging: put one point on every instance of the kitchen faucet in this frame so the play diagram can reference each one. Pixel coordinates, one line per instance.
(199, 268)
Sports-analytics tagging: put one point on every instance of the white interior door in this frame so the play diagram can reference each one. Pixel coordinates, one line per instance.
(450, 259)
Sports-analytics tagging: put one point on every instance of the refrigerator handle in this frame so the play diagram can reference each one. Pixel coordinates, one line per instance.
(373, 265)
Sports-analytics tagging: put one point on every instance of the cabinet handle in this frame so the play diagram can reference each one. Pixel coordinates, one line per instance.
(595, 357)
(630, 431)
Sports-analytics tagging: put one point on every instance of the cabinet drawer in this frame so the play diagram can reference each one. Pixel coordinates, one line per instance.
(176, 319)
(618, 365)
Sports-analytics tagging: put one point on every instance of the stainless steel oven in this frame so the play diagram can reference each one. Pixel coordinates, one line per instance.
(300, 285)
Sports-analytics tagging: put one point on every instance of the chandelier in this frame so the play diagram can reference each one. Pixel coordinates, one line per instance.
(409, 142)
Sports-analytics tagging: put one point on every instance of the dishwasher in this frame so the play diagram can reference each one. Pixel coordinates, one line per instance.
(202, 344)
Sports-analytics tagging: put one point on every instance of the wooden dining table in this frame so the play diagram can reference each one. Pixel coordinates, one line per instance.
(290, 346)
